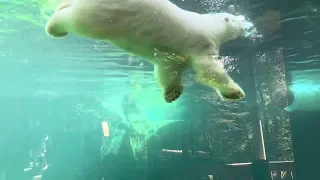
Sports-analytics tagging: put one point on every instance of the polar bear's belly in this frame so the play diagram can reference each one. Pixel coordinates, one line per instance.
(136, 47)
(141, 43)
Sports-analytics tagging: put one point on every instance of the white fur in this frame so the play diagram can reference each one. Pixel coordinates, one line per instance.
(144, 27)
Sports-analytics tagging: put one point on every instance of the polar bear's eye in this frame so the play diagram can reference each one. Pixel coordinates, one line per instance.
(226, 19)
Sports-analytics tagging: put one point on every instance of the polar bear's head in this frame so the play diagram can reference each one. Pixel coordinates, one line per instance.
(228, 26)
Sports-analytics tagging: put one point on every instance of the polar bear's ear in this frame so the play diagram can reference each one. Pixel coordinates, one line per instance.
(226, 19)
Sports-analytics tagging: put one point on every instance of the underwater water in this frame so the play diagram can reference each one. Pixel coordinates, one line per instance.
(80, 109)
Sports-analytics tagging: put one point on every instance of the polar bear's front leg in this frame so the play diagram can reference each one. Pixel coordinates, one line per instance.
(170, 79)
(211, 73)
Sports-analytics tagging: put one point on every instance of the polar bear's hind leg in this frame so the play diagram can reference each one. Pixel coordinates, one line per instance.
(170, 80)
(56, 25)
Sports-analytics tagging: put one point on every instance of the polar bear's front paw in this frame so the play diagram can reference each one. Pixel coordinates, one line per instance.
(173, 93)
(231, 94)
(236, 95)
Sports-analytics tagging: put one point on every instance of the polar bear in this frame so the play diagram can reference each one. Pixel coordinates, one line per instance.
(170, 38)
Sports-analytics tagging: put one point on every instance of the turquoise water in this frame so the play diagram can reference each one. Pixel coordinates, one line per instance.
(57, 94)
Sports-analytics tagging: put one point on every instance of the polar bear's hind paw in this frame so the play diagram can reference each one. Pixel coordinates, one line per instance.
(173, 94)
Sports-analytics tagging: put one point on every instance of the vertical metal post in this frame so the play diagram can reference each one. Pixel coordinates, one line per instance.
(260, 169)
(260, 153)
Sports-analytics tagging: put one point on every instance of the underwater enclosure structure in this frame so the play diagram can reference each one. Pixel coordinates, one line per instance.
(272, 135)
(305, 116)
